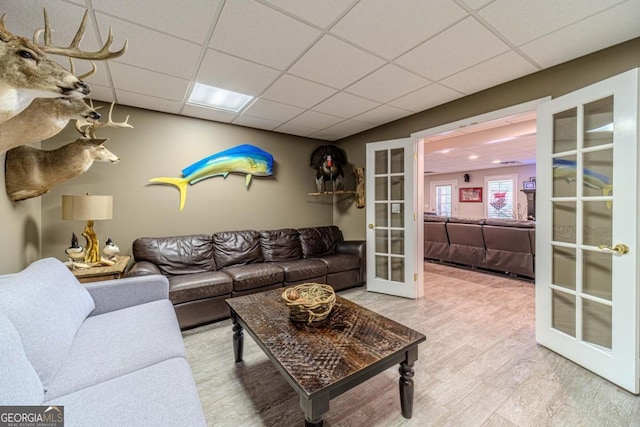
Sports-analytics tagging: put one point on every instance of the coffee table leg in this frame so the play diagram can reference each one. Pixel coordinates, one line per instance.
(406, 383)
(238, 339)
(314, 409)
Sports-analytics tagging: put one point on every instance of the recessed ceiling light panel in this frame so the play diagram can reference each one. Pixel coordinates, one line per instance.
(222, 99)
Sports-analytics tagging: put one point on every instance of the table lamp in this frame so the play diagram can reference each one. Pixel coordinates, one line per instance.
(89, 208)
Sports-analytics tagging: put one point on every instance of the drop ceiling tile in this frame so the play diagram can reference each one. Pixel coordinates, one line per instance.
(390, 30)
(256, 122)
(382, 114)
(502, 68)
(476, 4)
(315, 120)
(181, 62)
(270, 110)
(523, 21)
(148, 102)
(258, 33)
(101, 76)
(342, 130)
(208, 113)
(101, 93)
(296, 91)
(320, 13)
(345, 105)
(335, 63)
(231, 73)
(387, 83)
(146, 82)
(425, 98)
(293, 129)
(587, 36)
(461, 46)
(23, 18)
(167, 16)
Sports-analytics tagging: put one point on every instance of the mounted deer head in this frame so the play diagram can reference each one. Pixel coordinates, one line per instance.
(26, 73)
(30, 172)
(44, 118)
(89, 128)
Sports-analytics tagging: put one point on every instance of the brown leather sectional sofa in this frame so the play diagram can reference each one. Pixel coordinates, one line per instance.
(204, 270)
(503, 245)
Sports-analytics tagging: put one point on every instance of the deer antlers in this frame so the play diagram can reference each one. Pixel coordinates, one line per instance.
(73, 50)
(88, 129)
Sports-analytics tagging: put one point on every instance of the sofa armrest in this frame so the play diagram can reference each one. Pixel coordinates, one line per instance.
(357, 248)
(143, 268)
(111, 295)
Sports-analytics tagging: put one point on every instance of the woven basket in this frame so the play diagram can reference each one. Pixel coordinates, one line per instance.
(309, 302)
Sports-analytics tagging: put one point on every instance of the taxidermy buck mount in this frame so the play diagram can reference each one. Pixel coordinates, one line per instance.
(26, 73)
(328, 161)
(30, 172)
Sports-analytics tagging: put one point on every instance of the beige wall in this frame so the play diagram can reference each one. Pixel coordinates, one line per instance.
(19, 230)
(555, 81)
(477, 210)
(161, 145)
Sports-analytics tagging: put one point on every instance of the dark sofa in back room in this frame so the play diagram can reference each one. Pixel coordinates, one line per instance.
(503, 245)
(204, 270)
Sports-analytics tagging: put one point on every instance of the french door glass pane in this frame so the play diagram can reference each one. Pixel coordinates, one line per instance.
(382, 267)
(564, 312)
(397, 242)
(382, 241)
(382, 188)
(397, 160)
(564, 267)
(597, 223)
(382, 216)
(598, 122)
(565, 131)
(397, 269)
(381, 162)
(596, 274)
(564, 176)
(564, 222)
(596, 323)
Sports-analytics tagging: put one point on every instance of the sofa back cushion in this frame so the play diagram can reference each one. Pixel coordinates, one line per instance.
(176, 255)
(237, 248)
(319, 241)
(47, 306)
(20, 383)
(280, 245)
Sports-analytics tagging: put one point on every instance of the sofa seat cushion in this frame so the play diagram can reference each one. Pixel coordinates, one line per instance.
(302, 269)
(191, 287)
(252, 276)
(59, 305)
(342, 262)
(117, 343)
(177, 254)
(280, 245)
(20, 383)
(237, 248)
(163, 394)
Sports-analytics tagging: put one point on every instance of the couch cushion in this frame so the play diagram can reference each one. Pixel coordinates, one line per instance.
(191, 287)
(301, 269)
(20, 383)
(342, 262)
(163, 394)
(47, 305)
(318, 241)
(253, 276)
(117, 343)
(237, 248)
(176, 255)
(280, 245)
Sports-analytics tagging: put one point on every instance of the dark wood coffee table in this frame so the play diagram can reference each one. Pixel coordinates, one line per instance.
(324, 359)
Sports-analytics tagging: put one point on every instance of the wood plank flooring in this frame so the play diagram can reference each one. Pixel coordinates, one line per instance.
(480, 366)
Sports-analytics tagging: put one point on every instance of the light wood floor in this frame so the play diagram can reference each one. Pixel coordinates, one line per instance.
(480, 366)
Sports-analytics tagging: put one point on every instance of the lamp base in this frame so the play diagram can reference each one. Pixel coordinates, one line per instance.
(92, 249)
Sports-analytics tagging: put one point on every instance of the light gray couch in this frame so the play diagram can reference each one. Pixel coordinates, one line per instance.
(110, 352)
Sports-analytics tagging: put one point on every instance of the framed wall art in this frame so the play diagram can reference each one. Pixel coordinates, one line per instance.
(471, 194)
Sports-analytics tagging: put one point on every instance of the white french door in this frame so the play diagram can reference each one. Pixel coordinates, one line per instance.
(392, 227)
(587, 298)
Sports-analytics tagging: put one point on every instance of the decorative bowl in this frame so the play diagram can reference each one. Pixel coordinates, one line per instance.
(309, 302)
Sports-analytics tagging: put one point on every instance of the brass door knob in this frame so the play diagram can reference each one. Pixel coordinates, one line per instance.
(619, 249)
(371, 226)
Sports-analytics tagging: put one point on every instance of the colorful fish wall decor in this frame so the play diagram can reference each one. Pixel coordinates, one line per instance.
(244, 159)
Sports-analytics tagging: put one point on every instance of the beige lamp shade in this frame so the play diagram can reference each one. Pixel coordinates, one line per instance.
(87, 207)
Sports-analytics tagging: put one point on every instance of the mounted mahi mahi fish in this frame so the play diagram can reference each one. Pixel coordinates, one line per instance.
(243, 159)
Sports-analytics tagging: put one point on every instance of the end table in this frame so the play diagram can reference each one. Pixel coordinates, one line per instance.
(103, 272)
